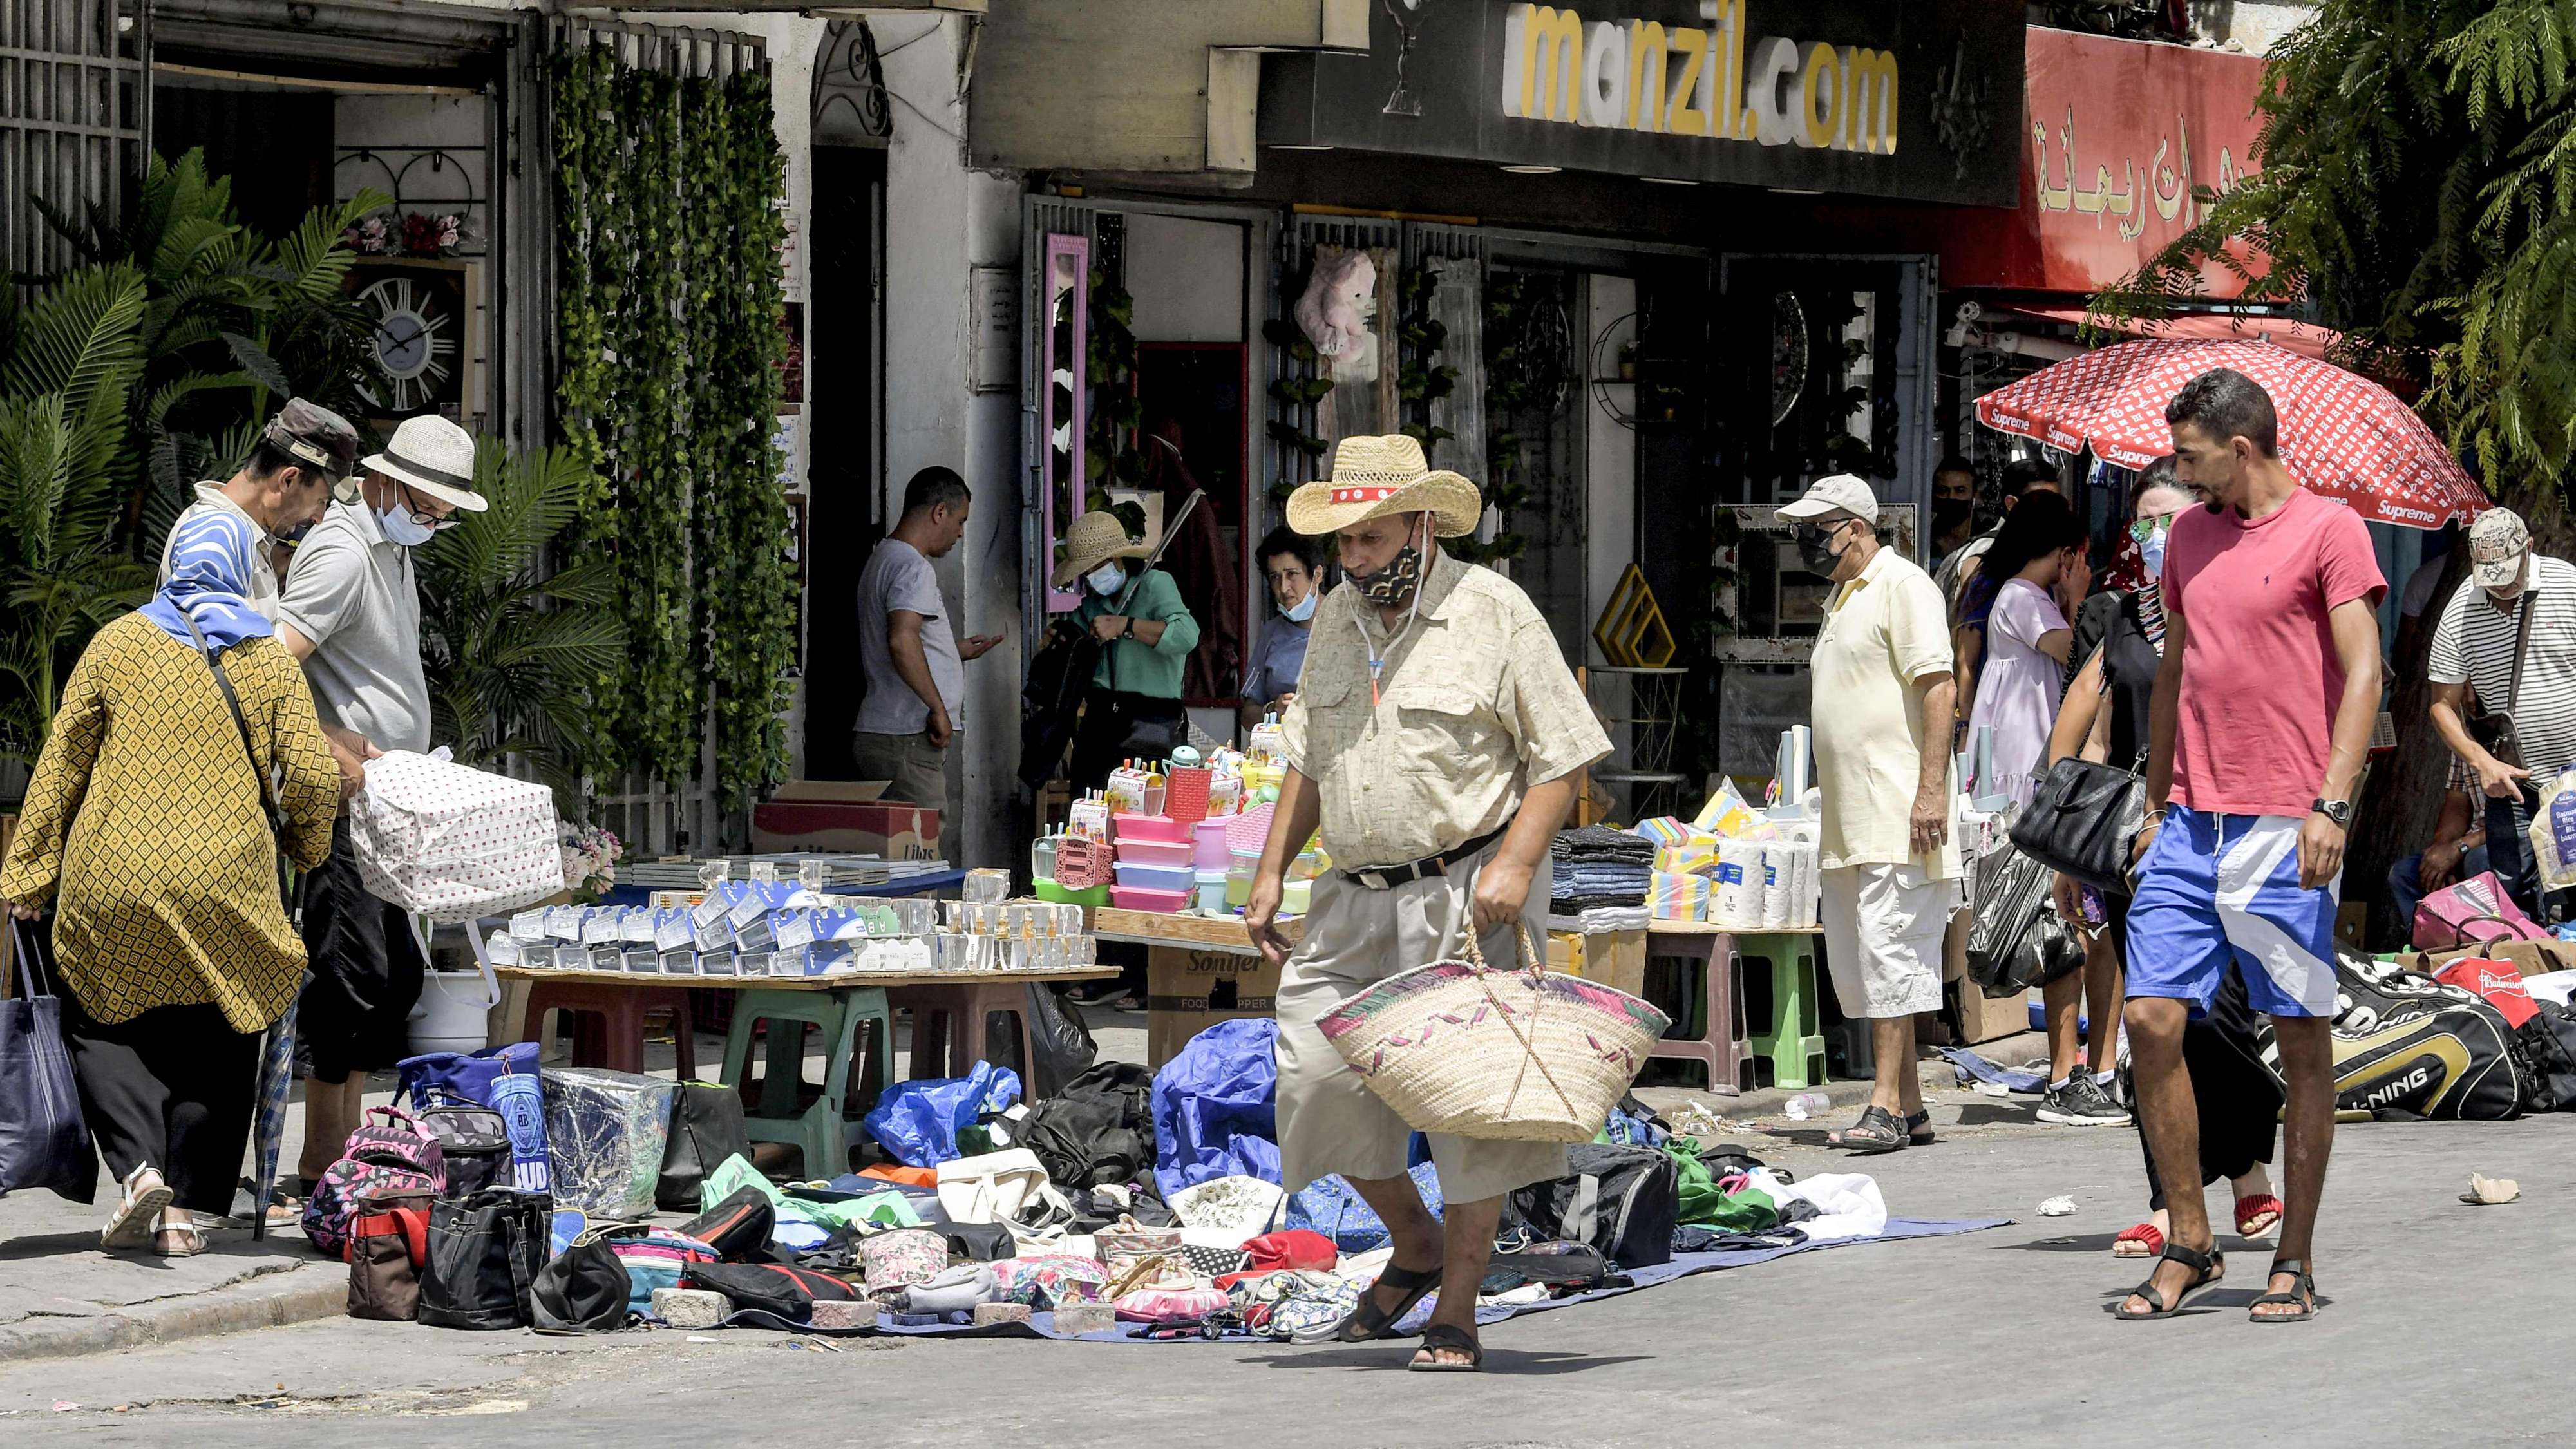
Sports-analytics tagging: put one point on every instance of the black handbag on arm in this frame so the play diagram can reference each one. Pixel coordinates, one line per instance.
(2493, 728)
(2082, 821)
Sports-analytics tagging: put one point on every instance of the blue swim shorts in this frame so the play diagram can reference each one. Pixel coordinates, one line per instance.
(2216, 887)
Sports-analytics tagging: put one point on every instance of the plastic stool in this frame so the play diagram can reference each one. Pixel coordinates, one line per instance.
(1709, 1027)
(822, 1131)
(608, 1022)
(1794, 1044)
(950, 1022)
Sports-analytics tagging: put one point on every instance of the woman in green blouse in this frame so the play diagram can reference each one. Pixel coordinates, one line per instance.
(1146, 634)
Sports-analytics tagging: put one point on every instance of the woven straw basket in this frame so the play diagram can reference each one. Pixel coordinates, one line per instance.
(1517, 1053)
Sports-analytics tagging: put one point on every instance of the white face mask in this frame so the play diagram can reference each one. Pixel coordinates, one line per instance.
(401, 528)
(1105, 579)
(1302, 610)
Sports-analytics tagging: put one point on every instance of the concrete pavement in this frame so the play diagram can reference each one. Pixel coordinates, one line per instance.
(2441, 1323)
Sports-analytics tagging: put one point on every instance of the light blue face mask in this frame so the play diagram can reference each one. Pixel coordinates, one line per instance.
(2151, 552)
(1302, 610)
(1105, 579)
(401, 528)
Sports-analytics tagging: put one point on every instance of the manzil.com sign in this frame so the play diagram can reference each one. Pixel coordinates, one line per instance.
(1709, 80)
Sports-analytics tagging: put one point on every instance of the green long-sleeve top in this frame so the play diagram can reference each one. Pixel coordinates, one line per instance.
(1137, 667)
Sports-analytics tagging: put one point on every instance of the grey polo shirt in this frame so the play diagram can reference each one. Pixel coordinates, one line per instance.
(263, 579)
(354, 595)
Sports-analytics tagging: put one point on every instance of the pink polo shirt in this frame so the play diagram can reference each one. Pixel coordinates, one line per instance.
(2260, 679)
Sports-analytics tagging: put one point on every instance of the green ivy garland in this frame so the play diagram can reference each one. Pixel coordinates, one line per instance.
(669, 298)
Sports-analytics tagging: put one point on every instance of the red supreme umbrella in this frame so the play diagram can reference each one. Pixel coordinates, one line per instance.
(2342, 434)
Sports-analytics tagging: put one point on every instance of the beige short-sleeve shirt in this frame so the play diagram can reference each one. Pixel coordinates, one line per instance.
(1883, 632)
(1474, 706)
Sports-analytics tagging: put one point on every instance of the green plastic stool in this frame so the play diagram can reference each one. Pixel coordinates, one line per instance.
(1794, 1044)
(820, 1131)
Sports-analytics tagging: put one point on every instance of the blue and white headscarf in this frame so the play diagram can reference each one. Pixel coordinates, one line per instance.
(211, 558)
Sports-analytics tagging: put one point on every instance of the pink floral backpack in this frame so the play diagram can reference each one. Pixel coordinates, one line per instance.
(389, 1151)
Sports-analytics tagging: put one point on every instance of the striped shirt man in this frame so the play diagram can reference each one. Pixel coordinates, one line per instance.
(2473, 644)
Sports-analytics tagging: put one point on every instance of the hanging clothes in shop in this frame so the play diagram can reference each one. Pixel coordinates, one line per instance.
(1211, 586)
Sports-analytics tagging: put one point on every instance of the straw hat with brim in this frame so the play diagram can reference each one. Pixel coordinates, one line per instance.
(1380, 477)
(1094, 539)
(435, 457)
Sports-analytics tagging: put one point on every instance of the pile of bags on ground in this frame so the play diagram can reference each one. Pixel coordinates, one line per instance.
(509, 1196)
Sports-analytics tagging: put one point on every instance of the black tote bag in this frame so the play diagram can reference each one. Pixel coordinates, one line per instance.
(43, 1141)
(484, 1255)
(706, 1128)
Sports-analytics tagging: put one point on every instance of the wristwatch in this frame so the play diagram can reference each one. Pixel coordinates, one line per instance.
(1129, 632)
(2338, 811)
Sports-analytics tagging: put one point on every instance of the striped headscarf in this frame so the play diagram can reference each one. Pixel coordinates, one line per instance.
(211, 558)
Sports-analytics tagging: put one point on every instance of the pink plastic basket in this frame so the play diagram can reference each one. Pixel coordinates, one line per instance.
(1082, 863)
(1249, 830)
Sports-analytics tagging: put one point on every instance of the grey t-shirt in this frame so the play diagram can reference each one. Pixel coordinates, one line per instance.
(263, 579)
(898, 577)
(353, 594)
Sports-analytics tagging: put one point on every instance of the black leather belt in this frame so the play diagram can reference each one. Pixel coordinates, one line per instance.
(1388, 877)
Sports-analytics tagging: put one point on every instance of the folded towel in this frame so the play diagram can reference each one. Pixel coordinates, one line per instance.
(1600, 919)
(1594, 842)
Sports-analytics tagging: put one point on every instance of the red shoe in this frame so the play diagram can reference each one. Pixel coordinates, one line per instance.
(2142, 1233)
(2256, 1213)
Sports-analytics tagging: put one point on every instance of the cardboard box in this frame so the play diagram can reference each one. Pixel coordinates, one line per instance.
(856, 826)
(1187, 991)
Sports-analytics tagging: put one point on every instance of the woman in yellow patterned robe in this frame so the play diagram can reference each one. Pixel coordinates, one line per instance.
(145, 833)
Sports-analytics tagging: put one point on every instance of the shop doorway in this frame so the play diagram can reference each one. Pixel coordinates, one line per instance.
(847, 510)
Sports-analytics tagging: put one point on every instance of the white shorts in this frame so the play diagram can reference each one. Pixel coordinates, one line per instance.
(1883, 929)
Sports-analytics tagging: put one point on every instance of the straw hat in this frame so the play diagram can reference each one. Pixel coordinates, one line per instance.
(1094, 539)
(1379, 477)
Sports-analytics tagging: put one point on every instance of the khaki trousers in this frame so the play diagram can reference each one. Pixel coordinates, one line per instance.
(1329, 1120)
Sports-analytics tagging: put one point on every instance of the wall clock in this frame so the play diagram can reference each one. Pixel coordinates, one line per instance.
(420, 311)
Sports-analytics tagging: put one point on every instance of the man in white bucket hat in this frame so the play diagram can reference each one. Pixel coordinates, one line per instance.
(351, 612)
(1435, 736)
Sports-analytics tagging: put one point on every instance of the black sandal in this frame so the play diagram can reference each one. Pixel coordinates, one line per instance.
(1918, 1128)
(2206, 1269)
(1367, 1321)
(1877, 1131)
(2302, 1294)
(1439, 1336)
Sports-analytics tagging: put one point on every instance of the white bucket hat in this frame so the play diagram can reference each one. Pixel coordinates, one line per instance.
(435, 456)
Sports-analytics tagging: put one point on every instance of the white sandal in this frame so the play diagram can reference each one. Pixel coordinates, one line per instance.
(196, 1239)
(130, 1226)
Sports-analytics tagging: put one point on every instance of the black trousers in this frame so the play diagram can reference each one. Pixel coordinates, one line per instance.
(2237, 1097)
(355, 1010)
(174, 1088)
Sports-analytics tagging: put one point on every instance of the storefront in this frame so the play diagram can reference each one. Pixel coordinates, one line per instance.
(1594, 287)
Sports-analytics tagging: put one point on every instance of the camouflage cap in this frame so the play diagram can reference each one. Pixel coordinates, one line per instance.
(315, 435)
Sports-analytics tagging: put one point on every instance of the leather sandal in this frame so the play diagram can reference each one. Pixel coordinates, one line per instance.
(2206, 1269)
(130, 1226)
(1368, 1321)
(1440, 1336)
(192, 1240)
(1918, 1128)
(2302, 1294)
(1877, 1131)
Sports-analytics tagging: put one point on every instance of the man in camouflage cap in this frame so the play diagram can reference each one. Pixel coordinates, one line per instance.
(300, 460)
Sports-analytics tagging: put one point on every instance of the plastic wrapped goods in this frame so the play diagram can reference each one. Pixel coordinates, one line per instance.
(607, 1132)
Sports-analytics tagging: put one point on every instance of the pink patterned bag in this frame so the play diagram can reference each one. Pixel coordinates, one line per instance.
(1171, 1305)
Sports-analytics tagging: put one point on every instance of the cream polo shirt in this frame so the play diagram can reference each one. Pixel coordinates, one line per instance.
(1475, 706)
(1883, 631)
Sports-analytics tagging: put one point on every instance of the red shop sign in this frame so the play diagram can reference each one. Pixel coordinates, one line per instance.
(2119, 134)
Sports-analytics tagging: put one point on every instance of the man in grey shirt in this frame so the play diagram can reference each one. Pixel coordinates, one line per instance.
(915, 664)
(351, 612)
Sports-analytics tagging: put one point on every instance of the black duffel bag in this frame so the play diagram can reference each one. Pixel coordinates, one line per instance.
(2082, 821)
(1621, 1201)
(484, 1255)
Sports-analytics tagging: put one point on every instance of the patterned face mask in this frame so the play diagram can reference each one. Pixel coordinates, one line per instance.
(1390, 586)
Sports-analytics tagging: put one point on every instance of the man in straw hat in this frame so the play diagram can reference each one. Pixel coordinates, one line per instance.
(1435, 735)
(351, 612)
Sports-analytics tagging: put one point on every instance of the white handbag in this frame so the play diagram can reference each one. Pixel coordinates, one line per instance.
(453, 843)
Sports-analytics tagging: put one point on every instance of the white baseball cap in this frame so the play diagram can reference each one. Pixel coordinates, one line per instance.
(1835, 493)
(2499, 548)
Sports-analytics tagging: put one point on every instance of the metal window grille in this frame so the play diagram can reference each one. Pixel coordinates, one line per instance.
(75, 105)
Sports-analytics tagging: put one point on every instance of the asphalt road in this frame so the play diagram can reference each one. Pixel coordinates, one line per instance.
(2443, 1322)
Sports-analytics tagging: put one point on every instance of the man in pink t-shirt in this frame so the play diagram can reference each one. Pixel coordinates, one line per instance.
(2263, 708)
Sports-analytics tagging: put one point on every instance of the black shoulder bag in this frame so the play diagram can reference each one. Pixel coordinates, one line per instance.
(2493, 728)
(2084, 817)
(267, 792)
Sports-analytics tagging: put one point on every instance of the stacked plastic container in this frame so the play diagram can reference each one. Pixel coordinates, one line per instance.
(1154, 854)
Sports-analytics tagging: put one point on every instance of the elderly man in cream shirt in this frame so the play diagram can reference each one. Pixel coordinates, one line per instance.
(1887, 854)
(1435, 737)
